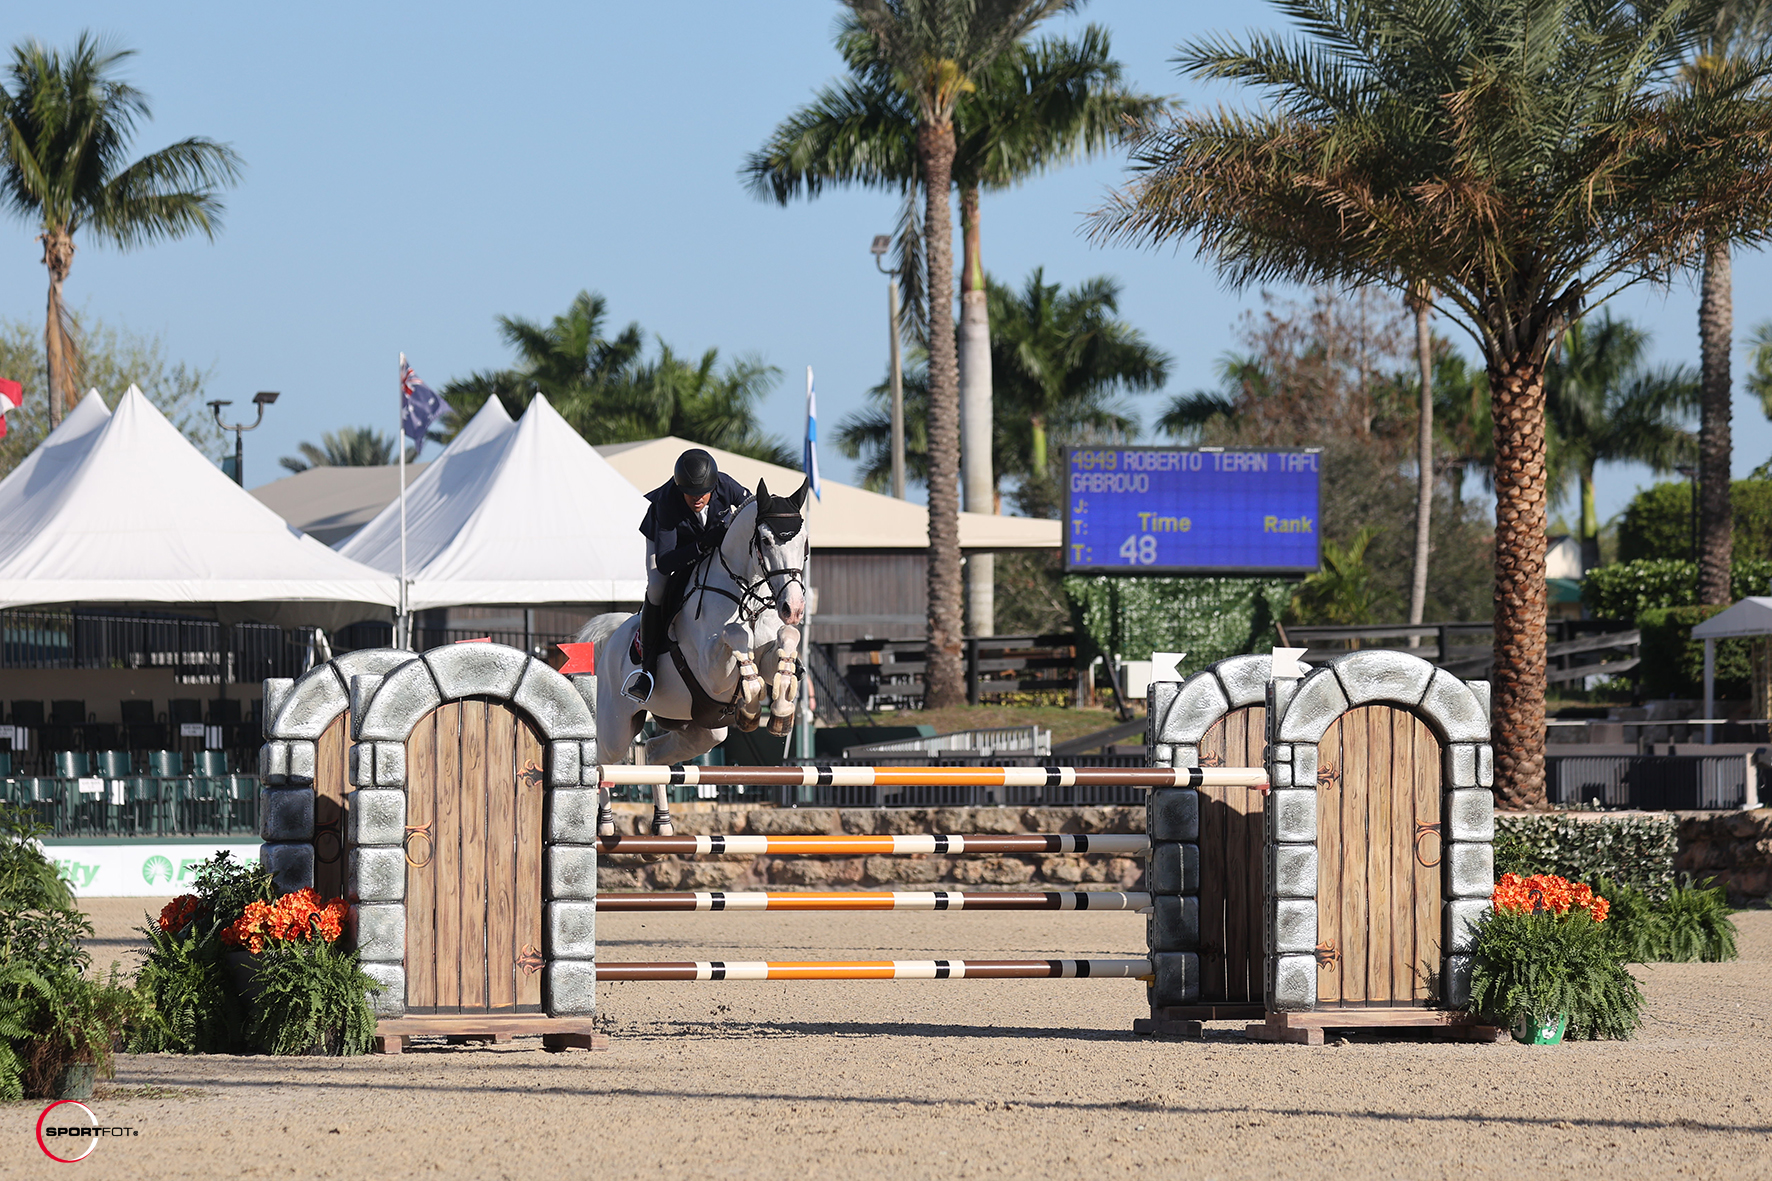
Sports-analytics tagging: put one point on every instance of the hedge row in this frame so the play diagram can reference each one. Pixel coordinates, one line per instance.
(1636, 851)
(1625, 590)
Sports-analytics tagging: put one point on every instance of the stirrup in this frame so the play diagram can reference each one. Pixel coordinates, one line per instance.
(638, 686)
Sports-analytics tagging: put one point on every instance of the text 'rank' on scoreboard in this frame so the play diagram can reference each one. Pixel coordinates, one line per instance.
(1159, 510)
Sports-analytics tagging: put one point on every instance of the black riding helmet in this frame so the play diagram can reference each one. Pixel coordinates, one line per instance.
(696, 472)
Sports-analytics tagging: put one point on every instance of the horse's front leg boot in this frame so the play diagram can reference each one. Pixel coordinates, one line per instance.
(661, 827)
(750, 679)
(605, 820)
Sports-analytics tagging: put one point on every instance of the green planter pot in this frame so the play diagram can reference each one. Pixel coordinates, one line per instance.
(75, 1081)
(1547, 1031)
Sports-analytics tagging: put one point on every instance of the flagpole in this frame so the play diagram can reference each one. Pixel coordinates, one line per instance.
(805, 742)
(403, 633)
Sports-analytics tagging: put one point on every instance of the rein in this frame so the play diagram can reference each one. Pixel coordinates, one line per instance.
(748, 590)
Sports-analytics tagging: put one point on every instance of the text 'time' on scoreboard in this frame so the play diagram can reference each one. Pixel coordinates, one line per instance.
(1157, 510)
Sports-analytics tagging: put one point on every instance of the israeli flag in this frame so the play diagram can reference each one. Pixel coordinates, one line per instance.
(809, 456)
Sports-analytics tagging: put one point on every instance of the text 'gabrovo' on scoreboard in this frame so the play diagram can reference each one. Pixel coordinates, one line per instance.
(1161, 510)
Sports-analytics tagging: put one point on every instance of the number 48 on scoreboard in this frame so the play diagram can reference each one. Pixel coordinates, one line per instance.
(1156, 510)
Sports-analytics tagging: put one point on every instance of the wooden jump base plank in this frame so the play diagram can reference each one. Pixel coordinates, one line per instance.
(1307, 1028)
(723, 900)
(557, 1033)
(1121, 843)
(878, 970)
(1189, 1020)
(689, 774)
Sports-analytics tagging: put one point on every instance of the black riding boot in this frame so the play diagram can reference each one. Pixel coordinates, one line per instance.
(652, 642)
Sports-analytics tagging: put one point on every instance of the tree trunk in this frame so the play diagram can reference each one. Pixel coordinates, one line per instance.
(1037, 456)
(60, 354)
(976, 427)
(1517, 729)
(944, 681)
(1424, 458)
(1716, 522)
(1590, 522)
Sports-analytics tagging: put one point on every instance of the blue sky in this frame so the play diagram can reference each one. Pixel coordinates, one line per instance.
(412, 171)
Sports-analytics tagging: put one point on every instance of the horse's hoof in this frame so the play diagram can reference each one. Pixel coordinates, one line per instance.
(747, 722)
(781, 724)
(605, 830)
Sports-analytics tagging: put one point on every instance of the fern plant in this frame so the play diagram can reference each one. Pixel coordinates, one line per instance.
(312, 998)
(1692, 925)
(192, 1008)
(1698, 924)
(1529, 967)
(22, 994)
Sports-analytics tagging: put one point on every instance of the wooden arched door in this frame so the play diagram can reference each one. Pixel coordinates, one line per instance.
(475, 780)
(1231, 968)
(1378, 860)
(332, 787)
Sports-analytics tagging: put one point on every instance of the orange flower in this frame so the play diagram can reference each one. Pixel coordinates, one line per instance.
(297, 917)
(178, 913)
(1547, 893)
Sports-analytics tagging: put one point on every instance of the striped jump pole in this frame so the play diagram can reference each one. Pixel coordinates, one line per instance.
(689, 775)
(1123, 843)
(721, 900)
(879, 970)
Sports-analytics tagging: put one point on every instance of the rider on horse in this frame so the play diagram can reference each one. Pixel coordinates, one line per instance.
(687, 520)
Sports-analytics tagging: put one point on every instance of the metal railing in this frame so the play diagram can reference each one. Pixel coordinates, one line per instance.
(1650, 783)
(984, 744)
(139, 806)
(196, 651)
(890, 672)
(1578, 648)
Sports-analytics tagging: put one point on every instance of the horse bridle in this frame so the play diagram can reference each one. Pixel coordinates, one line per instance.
(748, 590)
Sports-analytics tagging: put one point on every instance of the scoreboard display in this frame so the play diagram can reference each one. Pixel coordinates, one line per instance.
(1159, 510)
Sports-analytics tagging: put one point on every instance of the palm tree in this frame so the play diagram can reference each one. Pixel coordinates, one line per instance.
(1421, 303)
(1603, 404)
(697, 401)
(65, 127)
(937, 50)
(1736, 34)
(1038, 106)
(1526, 159)
(1061, 359)
(1340, 591)
(1060, 352)
(351, 446)
(610, 393)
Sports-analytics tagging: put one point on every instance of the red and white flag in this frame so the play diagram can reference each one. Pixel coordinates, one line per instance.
(12, 396)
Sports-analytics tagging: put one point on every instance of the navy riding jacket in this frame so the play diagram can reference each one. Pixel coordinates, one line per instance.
(678, 535)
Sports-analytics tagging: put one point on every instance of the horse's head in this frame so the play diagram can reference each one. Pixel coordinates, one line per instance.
(772, 530)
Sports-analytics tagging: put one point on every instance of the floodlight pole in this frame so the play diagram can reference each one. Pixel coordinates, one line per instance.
(261, 399)
(879, 248)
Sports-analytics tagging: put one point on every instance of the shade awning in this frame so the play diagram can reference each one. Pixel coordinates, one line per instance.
(119, 507)
(523, 512)
(1750, 617)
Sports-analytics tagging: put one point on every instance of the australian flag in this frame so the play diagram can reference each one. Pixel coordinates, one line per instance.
(419, 406)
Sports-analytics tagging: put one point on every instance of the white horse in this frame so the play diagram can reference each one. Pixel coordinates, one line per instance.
(747, 595)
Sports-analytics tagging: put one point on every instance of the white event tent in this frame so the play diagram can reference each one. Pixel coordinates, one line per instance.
(523, 512)
(1750, 617)
(121, 508)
